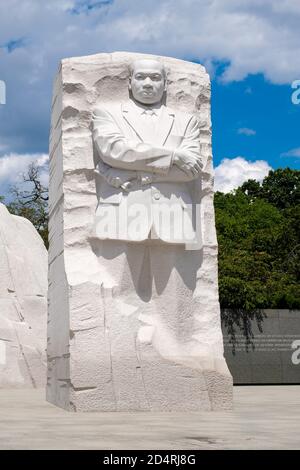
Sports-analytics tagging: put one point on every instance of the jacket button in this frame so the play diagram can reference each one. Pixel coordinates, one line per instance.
(156, 195)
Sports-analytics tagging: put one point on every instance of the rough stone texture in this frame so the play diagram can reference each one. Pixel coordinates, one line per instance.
(102, 352)
(23, 303)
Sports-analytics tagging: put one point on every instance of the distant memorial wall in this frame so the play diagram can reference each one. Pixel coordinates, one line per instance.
(275, 358)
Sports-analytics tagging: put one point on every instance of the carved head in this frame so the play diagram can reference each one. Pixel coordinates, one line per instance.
(147, 81)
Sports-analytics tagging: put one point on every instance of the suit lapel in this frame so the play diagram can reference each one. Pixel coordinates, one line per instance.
(163, 128)
(132, 117)
(164, 125)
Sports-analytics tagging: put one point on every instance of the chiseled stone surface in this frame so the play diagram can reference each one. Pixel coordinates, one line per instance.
(23, 303)
(108, 348)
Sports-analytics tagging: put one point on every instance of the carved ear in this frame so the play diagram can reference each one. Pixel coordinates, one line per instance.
(167, 71)
(129, 84)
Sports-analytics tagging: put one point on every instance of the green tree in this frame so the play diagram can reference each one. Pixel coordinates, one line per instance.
(281, 188)
(258, 228)
(251, 188)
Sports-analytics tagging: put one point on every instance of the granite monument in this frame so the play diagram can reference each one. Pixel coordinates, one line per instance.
(134, 316)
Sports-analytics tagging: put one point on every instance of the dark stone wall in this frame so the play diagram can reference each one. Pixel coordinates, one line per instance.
(275, 358)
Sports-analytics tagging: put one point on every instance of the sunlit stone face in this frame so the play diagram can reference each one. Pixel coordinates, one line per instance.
(148, 81)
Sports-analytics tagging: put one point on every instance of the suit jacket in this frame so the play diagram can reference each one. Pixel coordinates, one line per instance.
(168, 206)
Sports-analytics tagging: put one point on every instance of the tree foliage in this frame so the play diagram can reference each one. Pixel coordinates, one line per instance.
(258, 227)
(280, 188)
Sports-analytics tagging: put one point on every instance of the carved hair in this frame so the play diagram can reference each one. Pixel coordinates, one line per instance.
(133, 63)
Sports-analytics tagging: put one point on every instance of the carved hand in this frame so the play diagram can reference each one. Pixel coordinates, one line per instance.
(116, 177)
(187, 162)
(120, 178)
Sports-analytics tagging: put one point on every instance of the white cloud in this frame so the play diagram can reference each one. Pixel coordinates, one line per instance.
(246, 131)
(292, 153)
(13, 166)
(231, 173)
(251, 36)
(248, 36)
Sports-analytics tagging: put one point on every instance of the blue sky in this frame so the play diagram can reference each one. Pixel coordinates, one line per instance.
(250, 48)
(257, 105)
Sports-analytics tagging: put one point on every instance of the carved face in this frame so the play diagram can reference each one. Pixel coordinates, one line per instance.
(147, 82)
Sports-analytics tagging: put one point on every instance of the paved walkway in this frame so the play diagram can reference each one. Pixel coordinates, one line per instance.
(265, 417)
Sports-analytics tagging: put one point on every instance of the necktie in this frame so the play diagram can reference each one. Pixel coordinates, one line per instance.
(149, 122)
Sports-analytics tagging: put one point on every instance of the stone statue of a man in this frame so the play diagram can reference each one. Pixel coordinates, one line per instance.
(134, 315)
(149, 174)
(148, 155)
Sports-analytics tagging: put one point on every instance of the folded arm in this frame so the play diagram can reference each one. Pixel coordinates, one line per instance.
(187, 160)
(118, 152)
(175, 175)
(187, 156)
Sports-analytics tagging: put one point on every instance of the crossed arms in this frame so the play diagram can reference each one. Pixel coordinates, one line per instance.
(123, 160)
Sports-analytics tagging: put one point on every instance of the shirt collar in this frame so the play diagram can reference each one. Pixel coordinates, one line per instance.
(145, 109)
(150, 111)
